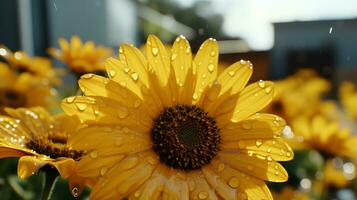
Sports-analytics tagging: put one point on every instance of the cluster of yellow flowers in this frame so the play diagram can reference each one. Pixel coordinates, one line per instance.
(164, 123)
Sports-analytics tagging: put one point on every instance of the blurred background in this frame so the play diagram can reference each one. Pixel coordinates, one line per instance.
(279, 37)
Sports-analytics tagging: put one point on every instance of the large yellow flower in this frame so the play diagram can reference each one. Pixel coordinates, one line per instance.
(38, 66)
(23, 90)
(81, 58)
(299, 94)
(167, 126)
(291, 194)
(41, 140)
(323, 135)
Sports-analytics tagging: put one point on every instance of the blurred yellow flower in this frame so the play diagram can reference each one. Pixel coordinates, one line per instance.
(40, 140)
(168, 126)
(299, 94)
(334, 176)
(37, 66)
(323, 135)
(23, 90)
(81, 58)
(288, 193)
(348, 97)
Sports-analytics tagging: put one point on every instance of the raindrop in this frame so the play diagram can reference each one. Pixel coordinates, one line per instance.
(231, 73)
(221, 167)
(203, 195)
(137, 194)
(243, 62)
(261, 84)
(204, 75)
(96, 112)
(70, 99)
(126, 70)
(247, 125)
(112, 73)
(250, 168)
(123, 84)
(268, 89)
(103, 171)
(122, 112)
(210, 67)
(75, 191)
(134, 76)
(241, 144)
(155, 51)
(269, 158)
(87, 76)
(269, 150)
(187, 50)
(258, 143)
(213, 53)
(234, 182)
(130, 163)
(195, 96)
(137, 103)
(173, 56)
(93, 154)
(81, 106)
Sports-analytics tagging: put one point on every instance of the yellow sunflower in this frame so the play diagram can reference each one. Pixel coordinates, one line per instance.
(323, 135)
(166, 126)
(42, 141)
(23, 90)
(81, 58)
(38, 66)
(334, 175)
(348, 97)
(291, 194)
(299, 94)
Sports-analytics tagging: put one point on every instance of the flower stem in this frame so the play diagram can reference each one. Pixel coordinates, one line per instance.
(50, 182)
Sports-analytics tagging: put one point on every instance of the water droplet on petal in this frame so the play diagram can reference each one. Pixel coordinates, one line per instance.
(173, 56)
(130, 163)
(103, 171)
(137, 103)
(87, 76)
(241, 144)
(243, 62)
(137, 194)
(269, 150)
(268, 89)
(258, 143)
(221, 167)
(276, 173)
(247, 125)
(81, 106)
(204, 75)
(187, 50)
(155, 51)
(126, 70)
(213, 53)
(75, 191)
(195, 96)
(233, 182)
(250, 168)
(231, 73)
(210, 67)
(122, 112)
(93, 154)
(261, 84)
(134, 76)
(112, 73)
(269, 158)
(122, 83)
(70, 99)
(203, 195)
(96, 112)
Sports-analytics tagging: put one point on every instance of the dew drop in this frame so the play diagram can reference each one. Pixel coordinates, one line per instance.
(122, 112)
(203, 195)
(123, 84)
(258, 143)
(204, 75)
(137, 103)
(269, 158)
(75, 191)
(137, 194)
(269, 150)
(87, 76)
(241, 144)
(261, 84)
(130, 163)
(70, 99)
(213, 53)
(250, 168)
(134, 76)
(247, 125)
(187, 50)
(288, 154)
(126, 70)
(195, 96)
(112, 73)
(221, 167)
(268, 90)
(173, 56)
(231, 73)
(93, 154)
(96, 112)
(210, 67)
(155, 51)
(277, 173)
(103, 171)
(233, 182)
(243, 62)
(81, 106)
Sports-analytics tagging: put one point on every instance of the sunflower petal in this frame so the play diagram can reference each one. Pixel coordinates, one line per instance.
(9, 152)
(29, 165)
(199, 188)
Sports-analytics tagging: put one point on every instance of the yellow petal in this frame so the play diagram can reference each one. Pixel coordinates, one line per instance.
(125, 178)
(252, 99)
(64, 166)
(176, 186)
(199, 188)
(63, 44)
(113, 141)
(9, 152)
(29, 165)
(206, 61)
(246, 186)
(235, 77)
(255, 166)
(105, 111)
(135, 62)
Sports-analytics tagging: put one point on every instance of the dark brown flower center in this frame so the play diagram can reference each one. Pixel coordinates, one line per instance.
(54, 146)
(11, 98)
(185, 137)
